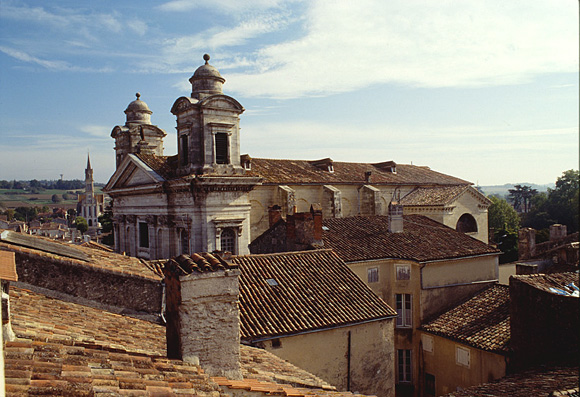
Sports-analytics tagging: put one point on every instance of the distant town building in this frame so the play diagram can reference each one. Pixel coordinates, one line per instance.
(90, 205)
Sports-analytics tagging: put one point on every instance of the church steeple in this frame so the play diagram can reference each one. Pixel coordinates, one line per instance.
(89, 182)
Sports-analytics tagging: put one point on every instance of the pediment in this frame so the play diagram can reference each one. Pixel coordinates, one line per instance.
(221, 102)
(133, 172)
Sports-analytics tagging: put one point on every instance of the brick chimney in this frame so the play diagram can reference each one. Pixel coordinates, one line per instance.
(558, 232)
(395, 217)
(202, 314)
(274, 214)
(304, 229)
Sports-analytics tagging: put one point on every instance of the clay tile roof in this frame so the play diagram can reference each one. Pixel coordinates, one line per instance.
(304, 171)
(482, 322)
(555, 283)
(81, 350)
(439, 195)
(360, 238)
(543, 382)
(60, 251)
(289, 293)
(7, 266)
(165, 166)
(198, 263)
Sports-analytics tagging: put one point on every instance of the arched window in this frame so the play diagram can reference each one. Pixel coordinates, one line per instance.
(228, 241)
(466, 224)
(90, 222)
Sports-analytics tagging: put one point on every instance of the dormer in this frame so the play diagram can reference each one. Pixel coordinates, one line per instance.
(323, 164)
(246, 161)
(387, 166)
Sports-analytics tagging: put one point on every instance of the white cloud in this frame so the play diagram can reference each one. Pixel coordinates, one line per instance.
(223, 5)
(96, 130)
(350, 45)
(48, 64)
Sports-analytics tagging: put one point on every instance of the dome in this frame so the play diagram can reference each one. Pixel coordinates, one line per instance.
(206, 80)
(138, 111)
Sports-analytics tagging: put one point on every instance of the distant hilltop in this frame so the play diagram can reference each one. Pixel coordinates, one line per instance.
(503, 190)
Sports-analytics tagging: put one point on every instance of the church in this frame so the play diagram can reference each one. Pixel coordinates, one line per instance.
(210, 197)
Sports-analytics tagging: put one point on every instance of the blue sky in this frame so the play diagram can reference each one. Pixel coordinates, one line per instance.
(483, 90)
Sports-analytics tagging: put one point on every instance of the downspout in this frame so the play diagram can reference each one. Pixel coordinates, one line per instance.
(348, 354)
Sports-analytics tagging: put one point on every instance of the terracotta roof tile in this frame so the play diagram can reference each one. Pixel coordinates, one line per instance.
(57, 334)
(303, 171)
(80, 255)
(7, 266)
(439, 195)
(549, 282)
(288, 293)
(275, 171)
(543, 382)
(362, 238)
(482, 322)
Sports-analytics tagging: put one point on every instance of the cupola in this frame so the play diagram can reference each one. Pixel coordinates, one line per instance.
(138, 112)
(206, 80)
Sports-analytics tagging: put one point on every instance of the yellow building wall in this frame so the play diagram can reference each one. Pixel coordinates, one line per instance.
(449, 375)
(325, 354)
(460, 271)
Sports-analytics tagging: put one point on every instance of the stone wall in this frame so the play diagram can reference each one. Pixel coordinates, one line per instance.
(129, 293)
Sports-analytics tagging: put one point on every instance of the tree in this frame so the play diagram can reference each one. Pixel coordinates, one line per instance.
(106, 221)
(81, 224)
(562, 203)
(501, 215)
(521, 196)
(56, 198)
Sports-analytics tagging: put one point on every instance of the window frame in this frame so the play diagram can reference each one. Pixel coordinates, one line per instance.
(404, 307)
(234, 242)
(407, 270)
(466, 353)
(143, 235)
(372, 274)
(404, 365)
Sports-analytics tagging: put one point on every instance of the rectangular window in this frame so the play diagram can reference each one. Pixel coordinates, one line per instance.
(184, 150)
(221, 148)
(404, 310)
(462, 356)
(373, 275)
(403, 272)
(405, 369)
(429, 384)
(427, 342)
(143, 235)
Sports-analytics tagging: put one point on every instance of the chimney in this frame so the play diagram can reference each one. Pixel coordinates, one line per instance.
(202, 313)
(395, 217)
(368, 176)
(304, 229)
(558, 232)
(274, 214)
(526, 243)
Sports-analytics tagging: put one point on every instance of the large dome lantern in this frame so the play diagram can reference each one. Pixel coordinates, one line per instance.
(206, 80)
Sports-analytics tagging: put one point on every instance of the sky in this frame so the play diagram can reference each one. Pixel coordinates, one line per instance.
(484, 90)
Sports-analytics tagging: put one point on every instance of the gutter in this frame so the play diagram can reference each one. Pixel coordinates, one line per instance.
(322, 329)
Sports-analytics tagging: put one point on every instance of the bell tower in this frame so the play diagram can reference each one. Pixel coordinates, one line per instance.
(138, 135)
(208, 126)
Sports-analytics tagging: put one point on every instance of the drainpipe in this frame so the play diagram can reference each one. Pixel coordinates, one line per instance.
(348, 354)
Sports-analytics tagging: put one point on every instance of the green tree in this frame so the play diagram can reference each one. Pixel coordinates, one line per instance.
(106, 221)
(520, 196)
(501, 215)
(56, 198)
(562, 203)
(81, 224)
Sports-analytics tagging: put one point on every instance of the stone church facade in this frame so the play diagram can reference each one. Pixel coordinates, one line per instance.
(210, 197)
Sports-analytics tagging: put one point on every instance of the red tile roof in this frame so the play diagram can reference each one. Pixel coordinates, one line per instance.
(439, 195)
(79, 255)
(545, 282)
(113, 353)
(360, 238)
(537, 382)
(482, 322)
(290, 172)
(276, 171)
(289, 293)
